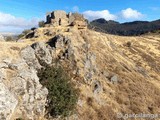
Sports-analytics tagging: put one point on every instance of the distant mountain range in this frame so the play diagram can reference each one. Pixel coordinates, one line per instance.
(126, 29)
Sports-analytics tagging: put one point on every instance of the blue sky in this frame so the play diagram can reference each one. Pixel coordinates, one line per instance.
(16, 15)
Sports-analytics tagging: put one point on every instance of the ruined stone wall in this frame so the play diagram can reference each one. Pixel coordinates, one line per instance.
(61, 18)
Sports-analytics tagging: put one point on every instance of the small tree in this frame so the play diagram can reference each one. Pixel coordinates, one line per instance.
(41, 24)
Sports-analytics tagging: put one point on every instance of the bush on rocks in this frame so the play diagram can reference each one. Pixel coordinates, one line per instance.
(62, 97)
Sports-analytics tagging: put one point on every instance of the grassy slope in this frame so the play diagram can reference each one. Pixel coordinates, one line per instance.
(137, 66)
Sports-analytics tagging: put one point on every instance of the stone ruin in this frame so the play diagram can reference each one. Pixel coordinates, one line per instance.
(61, 18)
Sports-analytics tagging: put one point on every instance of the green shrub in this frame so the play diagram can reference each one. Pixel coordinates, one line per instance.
(41, 24)
(24, 33)
(128, 44)
(9, 38)
(62, 97)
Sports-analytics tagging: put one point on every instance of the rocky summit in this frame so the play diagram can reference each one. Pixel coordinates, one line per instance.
(114, 74)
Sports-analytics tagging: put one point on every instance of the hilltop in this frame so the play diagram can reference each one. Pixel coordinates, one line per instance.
(113, 74)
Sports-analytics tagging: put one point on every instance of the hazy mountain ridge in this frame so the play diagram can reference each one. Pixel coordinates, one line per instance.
(127, 29)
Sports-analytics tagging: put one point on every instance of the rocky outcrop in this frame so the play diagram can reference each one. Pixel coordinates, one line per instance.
(2, 38)
(23, 91)
(28, 55)
(43, 53)
(25, 96)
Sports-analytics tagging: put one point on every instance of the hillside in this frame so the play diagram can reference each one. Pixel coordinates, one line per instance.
(114, 74)
(125, 29)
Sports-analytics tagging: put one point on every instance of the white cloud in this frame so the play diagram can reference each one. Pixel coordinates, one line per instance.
(92, 15)
(8, 21)
(75, 9)
(129, 13)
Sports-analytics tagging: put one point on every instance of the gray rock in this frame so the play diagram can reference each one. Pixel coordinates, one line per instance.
(8, 103)
(97, 88)
(33, 96)
(7, 61)
(80, 103)
(88, 76)
(2, 74)
(19, 65)
(28, 74)
(43, 52)
(90, 67)
(60, 42)
(90, 61)
(114, 79)
(142, 71)
(93, 57)
(28, 54)
(18, 85)
(106, 74)
(87, 64)
(3, 65)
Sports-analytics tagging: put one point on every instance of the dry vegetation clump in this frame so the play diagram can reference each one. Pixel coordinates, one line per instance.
(15, 48)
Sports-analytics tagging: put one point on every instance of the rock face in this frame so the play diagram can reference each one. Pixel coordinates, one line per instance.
(43, 53)
(25, 96)
(8, 102)
(1, 38)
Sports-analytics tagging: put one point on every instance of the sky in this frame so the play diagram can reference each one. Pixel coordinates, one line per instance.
(17, 15)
